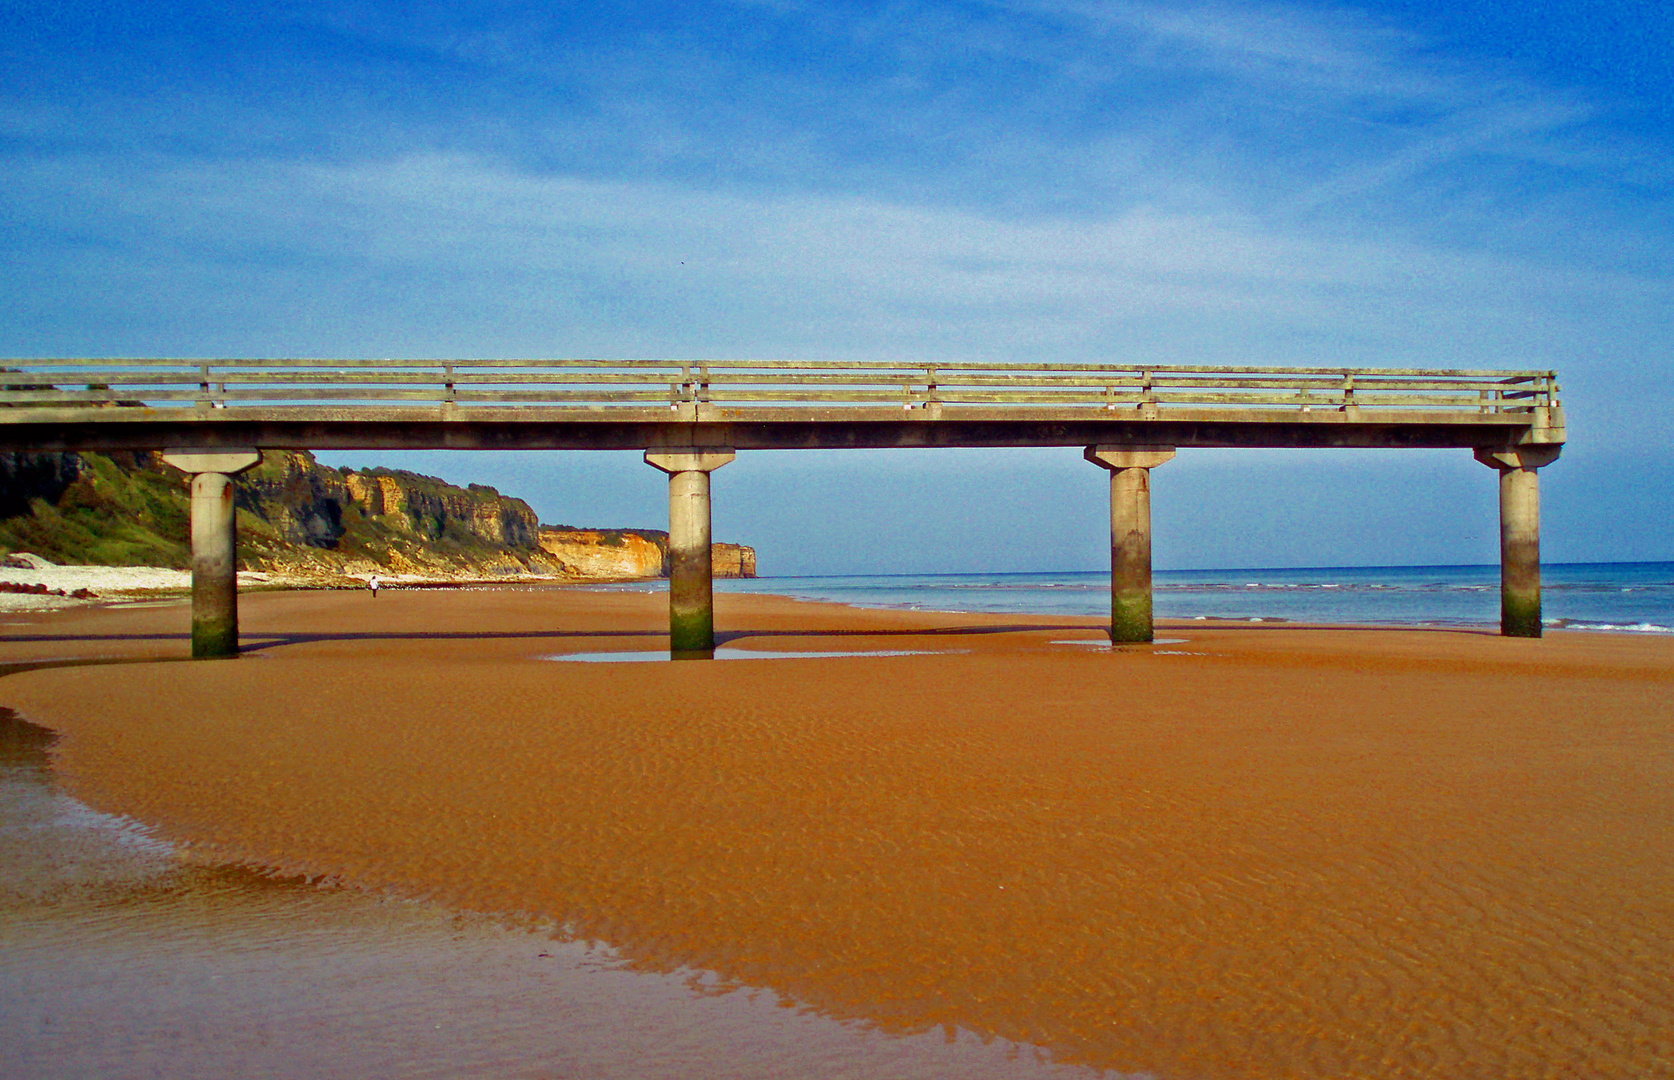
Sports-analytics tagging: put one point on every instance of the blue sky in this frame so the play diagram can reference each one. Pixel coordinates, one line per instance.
(1392, 184)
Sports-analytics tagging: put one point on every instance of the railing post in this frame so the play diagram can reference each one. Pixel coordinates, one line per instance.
(214, 546)
(1519, 534)
(1130, 536)
(1549, 416)
(1147, 397)
(688, 407)
(691, 574)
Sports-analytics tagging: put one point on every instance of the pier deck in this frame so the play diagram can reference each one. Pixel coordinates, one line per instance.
(70, 404)
(214, 416)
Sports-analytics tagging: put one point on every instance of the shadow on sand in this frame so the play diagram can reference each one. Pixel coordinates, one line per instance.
(254, 643)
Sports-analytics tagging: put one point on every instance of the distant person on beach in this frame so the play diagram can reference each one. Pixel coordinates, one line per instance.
(372, 583)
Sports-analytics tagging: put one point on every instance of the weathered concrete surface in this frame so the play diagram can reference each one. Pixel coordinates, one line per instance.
(1520, 614)
(1130, 536)
(226, 461)
(691, 591)
(214, 546)
(858, 427)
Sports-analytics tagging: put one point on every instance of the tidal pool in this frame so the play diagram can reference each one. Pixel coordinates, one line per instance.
(726, 652)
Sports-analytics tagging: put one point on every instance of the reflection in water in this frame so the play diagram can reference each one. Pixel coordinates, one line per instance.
(731, 653)
(117, 959)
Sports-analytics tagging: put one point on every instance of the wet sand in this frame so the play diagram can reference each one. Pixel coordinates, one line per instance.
(1257, 852)
(119, 960)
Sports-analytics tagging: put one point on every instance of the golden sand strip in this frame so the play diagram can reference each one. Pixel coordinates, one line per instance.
(1259, 853)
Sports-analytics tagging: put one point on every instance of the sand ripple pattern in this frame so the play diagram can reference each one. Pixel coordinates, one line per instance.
(1191, 866)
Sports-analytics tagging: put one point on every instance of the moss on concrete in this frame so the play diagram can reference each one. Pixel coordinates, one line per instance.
(691, 631)
(1520, 615)
(1130, 617)
(213, 638)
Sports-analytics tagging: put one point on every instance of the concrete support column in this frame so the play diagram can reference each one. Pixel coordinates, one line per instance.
(1519, 535)
(214, 546)
(1130, 535)
(691, 574)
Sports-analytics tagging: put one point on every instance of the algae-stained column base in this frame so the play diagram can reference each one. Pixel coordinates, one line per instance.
(1130, 535)
(1519, 534)
(214, 546)
(691, 572)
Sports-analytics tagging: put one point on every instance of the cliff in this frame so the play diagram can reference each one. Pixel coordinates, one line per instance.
(607, 553)
(632, 553)
(301, 518)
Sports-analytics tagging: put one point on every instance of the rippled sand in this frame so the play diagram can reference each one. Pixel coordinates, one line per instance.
(118, 960)
(1258, 852)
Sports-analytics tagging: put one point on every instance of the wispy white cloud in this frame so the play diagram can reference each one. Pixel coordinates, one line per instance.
(1261, 181)
(454, 253)
(1027, 105)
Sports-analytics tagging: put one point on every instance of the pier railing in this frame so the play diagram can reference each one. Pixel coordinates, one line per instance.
(215, 418)
(331, 387)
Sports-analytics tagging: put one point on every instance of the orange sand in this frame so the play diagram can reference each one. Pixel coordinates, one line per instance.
(1262, 853)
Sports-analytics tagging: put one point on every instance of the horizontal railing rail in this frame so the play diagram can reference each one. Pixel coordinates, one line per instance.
(27, 385)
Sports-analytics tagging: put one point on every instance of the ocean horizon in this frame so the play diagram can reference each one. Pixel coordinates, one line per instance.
(1629, 597)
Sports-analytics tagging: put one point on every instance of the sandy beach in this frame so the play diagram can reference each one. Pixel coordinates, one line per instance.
(1242, 852)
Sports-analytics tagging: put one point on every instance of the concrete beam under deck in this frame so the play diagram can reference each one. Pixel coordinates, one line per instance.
(147, 429)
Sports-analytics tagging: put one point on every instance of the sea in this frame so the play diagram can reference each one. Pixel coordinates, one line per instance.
(1627, 597)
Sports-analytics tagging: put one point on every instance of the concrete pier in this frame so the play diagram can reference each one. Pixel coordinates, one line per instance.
(1130, 535)
(1519, 534)
(214, 546)
(691, 591)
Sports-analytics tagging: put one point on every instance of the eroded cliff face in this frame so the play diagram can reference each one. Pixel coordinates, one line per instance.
(607, 553)
(734, 560)
(355, 522)
(632, 553)
(297, 516)
(299, 499)
(427, 507)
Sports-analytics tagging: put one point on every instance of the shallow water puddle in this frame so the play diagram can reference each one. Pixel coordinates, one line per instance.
(1098, 644)
(729, 653)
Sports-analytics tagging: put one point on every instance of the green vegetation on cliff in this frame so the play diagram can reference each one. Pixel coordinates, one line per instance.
(94, 509)
(299, 517)
(293, 514)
